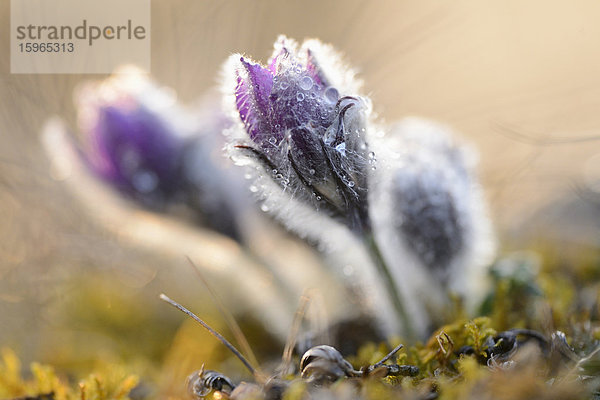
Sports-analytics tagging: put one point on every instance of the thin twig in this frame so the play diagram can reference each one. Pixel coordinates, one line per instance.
(389, 355)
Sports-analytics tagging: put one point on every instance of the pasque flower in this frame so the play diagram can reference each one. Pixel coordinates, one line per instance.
(429, 212)
(140, 141)
(133, 139)
(304, 123)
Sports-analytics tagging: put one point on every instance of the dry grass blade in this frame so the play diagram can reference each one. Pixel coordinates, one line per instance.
(212, 332)
(288, 350)
(229, 319)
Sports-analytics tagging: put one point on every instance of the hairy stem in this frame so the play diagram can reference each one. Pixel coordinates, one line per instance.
(390, 285)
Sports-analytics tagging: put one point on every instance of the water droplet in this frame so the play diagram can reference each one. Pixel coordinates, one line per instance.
(264, 207)
(351, 184)
(253, 189)
(331, 94)
(300, 96)
(272, 140)
(284, 85)
(311, 171)
(372, 159)
(319, 198)
(306, 83)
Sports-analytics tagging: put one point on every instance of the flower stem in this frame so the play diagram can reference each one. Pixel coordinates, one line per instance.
(390, 286)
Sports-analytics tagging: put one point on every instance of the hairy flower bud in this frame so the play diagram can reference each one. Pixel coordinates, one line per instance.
(134, 136)
(140, 141)
(303, 123)
(430, 209)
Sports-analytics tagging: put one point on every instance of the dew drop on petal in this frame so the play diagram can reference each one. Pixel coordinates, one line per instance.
(300, 96)
(264, 207)
(331, 94)
(306, 83)
(350, 183)
(311, 171)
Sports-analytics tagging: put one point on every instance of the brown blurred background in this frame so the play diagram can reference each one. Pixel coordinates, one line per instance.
(519, 80)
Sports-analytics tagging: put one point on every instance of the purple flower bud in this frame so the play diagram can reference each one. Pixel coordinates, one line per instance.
(303, 122)
(141, 142)
(132, 138)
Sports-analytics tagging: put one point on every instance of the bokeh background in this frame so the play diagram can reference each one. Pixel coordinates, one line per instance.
(518, 80)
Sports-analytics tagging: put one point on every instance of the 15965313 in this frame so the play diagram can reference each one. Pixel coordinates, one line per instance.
(46, 47)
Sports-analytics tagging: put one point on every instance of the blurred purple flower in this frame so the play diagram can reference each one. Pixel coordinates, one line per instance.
(140, 141)
(305, 128)
(131, 140)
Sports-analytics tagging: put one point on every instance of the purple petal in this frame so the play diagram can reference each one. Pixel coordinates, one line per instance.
(298, 101)
(284, 48)
(284, 52)
(252, 99)
(261, 80)
(134, 150)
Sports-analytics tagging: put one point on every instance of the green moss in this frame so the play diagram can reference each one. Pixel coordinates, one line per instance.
(113, 384)
(542, 294)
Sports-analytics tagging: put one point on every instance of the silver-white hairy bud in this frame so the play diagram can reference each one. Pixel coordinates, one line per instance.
(430, 215)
